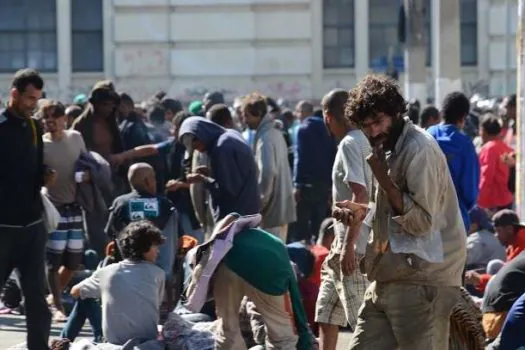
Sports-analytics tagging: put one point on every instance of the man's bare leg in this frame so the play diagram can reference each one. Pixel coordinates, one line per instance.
(64, 276)
(54, 286)
(328, 334)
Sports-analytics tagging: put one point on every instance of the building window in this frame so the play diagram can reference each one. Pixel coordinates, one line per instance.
(87, 36)
(338, 34)
(469, 32)
(28, 35)
(468, 11)
(383, 43)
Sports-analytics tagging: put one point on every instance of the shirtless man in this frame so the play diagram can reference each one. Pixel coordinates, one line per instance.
(98, 126)
(98, 123)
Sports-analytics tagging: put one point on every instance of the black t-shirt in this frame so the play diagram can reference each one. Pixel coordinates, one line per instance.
(506, 286)
(135, 207)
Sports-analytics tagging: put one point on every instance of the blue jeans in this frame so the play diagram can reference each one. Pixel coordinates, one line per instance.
(82, 310)
(167, 250)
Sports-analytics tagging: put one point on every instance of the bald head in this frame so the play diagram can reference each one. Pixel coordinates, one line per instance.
(334, 103)
(141, 177)
(304, 109)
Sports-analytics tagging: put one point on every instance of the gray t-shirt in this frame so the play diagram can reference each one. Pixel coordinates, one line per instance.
(350, 165)
(482, 247)
(131, 294)
(61, 155)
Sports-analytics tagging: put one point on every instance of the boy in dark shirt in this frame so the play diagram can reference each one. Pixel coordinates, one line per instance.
(142, 203)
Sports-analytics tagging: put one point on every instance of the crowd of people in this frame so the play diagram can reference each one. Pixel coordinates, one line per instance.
(253, 225)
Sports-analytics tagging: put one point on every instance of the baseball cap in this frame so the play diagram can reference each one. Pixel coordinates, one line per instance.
(506, 217)
(80, 99)
(195, 107)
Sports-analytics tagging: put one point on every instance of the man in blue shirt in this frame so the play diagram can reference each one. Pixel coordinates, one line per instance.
(460, 152)
(314, 158)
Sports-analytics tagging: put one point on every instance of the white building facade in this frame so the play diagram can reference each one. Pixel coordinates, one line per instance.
(284, 48)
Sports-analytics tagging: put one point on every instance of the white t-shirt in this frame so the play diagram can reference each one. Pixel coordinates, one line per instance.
(350, 165)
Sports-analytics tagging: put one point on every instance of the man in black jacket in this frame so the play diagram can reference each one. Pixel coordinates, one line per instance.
(22, 232)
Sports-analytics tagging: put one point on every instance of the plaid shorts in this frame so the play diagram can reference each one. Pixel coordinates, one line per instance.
(340, 297)
(65, 246)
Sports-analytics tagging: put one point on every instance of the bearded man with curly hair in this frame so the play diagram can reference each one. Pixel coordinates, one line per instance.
(416, 253)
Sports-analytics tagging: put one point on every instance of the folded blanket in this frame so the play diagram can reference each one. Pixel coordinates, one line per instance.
(207, 256)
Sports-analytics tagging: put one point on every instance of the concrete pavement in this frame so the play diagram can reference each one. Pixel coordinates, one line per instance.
(13, 332)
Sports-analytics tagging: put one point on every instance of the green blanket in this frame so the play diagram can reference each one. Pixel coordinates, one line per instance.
(262, 260)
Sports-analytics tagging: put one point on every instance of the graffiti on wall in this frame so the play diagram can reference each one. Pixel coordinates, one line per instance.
(479, 86)
(143, 89)
(469, 87)
(292, 91)
(137, 62)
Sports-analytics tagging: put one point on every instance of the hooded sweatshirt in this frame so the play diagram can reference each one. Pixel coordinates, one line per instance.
(463, 165)
(234, 187)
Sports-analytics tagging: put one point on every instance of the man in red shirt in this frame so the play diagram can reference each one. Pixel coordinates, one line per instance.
(494, 193)
(511, 233)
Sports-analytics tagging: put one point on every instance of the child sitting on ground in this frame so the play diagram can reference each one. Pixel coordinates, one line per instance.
(131, 290)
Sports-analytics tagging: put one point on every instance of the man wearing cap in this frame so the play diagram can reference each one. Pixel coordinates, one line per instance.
(99, 128)
(511, 233)
(482, 244)
(195, 108)
(98, 123)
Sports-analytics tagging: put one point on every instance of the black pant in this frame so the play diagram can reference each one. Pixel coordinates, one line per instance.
(24, 249)
(312, 209)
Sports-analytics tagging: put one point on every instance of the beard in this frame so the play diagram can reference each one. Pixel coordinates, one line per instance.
(387, 140)
(394, 132)
(378, 140)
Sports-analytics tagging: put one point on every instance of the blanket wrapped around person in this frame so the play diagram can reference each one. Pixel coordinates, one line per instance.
(257, 257)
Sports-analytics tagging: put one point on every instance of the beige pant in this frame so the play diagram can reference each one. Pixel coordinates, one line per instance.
(405, 316)
(228, 292)
(279, 231)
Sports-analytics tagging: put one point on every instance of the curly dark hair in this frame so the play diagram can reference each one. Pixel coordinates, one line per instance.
(255, 104)
(137, 238)
(373, 95)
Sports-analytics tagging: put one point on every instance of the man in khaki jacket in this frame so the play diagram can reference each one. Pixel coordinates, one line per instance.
(271, 155)
(417, 253)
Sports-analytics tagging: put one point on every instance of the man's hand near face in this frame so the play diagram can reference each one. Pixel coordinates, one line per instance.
(377, 162)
